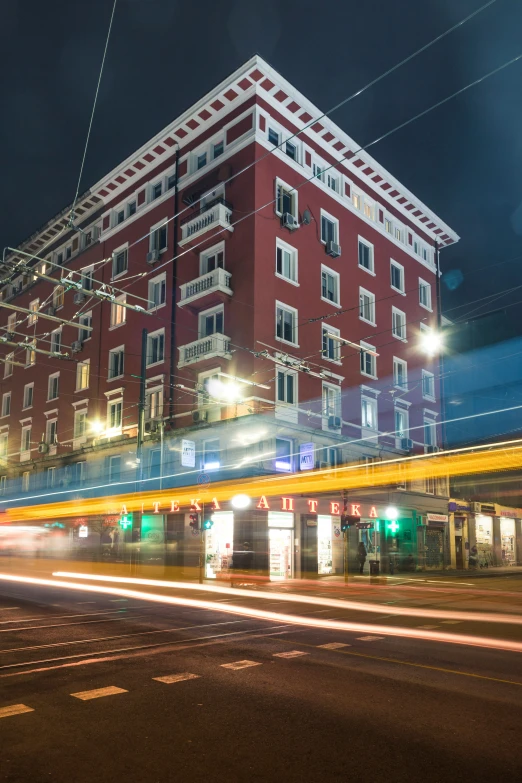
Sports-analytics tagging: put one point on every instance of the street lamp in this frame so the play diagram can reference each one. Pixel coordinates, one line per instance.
(227, 392)
(392, 513)
(97, 426)
(240, 501)
(431, 342)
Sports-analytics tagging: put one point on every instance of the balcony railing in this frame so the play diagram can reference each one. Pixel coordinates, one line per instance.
(205, 348)
(217, 280)
(214, 214)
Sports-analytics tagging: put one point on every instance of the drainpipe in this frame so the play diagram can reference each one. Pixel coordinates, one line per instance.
(441, 352)
(172, 374)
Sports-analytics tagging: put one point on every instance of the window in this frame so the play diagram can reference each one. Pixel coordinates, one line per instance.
(368, 361)
(356, 200)
(291, 150)
(79, 472)
(400, 373)
(120, 216)
(156, 347)
(329, 228)
(212, 259)
(50, 477)
(119, 262)
(6, 404)
(388, 226)
(368, 210)
(331, 348)
(25, 444)
(211, 455)
(157, 292)
(4, 438)
(283, 459)
(114, 415)
(155, 463)
(131, 210)
(273, 137)
(157, 189)
(58, 296)
(286, 199)
(286, 262)
(87, 278)
(85, 320)
(30, 354)
(82, 375)
(367, 306)
(428, 385)
(332, 182)
(211, 322)
(116, 362)
(8, 366)
(365, 255)
(80, 424)
(201, 160)
(56, 341)
(329, 285)
(28, 395)
(118, 312)
(424, 294)
(33, 307)
(397, 276)
(59, 259)
(286, 323)
(287, 387)
(398, 324)
(318, 171)
(68, 252)
(401, 423)
(53, 385)
(114, 468)
(26, 477)
(154, 404)
(11, 323)
(331, 397)
(217, 149)
(429, 485)
(430, 432)
(158, 239)
(368, 413)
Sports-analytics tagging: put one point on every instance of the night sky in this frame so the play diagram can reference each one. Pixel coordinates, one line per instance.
(463, 160)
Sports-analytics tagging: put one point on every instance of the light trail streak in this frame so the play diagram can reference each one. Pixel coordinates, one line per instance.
(323, 624)
(334, 603)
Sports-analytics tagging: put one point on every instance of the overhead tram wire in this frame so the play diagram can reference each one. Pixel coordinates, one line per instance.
(351, 97)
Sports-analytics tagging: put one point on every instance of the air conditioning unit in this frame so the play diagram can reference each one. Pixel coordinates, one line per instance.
(153, 256)
(151, 426)
(406, 444)
(50, 310)
(199, 416)
(79, 297)
(333, 249)
(76, 346)
(334, 422)
(289, 221)
(43, 448)
(433, 449)
(476, 508)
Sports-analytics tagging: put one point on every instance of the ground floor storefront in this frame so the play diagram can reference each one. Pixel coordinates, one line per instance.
(485, 535)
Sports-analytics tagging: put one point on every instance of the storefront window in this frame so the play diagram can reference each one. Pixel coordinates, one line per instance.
(280, 540)
(219, 544)
(484, 533)
(324, 545)
(507, 537)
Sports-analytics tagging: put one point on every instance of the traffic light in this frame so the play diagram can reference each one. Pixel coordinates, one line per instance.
(348, 520)
(207, 524)
(194, 521)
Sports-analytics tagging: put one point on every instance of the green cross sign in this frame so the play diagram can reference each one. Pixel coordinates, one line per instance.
(393, 526)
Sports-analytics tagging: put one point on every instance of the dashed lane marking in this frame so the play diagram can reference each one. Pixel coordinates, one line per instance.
(369, 638)
(451, 622)
(240, 664)
(14, 709)
(98, 693)
(169, 678)
(428, 627)
(118, 600)
(333, 645)
(8, 608)
(290, 654)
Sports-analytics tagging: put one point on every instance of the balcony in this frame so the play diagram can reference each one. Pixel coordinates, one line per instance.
(214, 214)
(202, 288)
(216, 345)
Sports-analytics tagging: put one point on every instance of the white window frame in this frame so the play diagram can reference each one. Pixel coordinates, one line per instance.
(291, 457)
(293, 194)
(27, 386)
(396, 363)
(210, 252)
(110, 405)
(26, 428)
(334, 221)
(116, 252)
(373, 360)
(6, 403)
(337, 277)
(51, 424)
(11, 323)
(116, 349)
(427, 375)
(8, 366)
(370, 402)
(295, 324)
(400, 267)
(55, 376)
(56, 333)
(154, 411)
(114, 475)
(154, 231)
(4, 445)
(369, 207)
(328, 390)
(425, 286)
(398, 409)
(30, 354)
(204, 314)
(286, 373)
(152, 336)
(362, 241)
(363, 292)
(356, 199)
(118, 312)
(79, 375)
(284, 247)
(78, 415)
(331, 330)
(34, 306)
(429, 422)
(26, 478)
(87, 278)
(395, 312)
(58, 297)
(85, 319)
(159, 280)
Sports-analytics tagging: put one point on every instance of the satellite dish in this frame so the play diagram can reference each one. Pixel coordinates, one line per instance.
(307, 217)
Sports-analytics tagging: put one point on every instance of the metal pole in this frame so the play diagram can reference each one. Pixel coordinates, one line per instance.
(141, 407)
(202, 546)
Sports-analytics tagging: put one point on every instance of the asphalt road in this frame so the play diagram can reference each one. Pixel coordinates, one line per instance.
(83, 697)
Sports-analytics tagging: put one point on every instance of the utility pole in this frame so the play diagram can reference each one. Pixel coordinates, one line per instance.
(346, 534)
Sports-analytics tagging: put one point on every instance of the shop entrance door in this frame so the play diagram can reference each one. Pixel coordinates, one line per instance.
(309, 547)
(218, 544)
(281, 553)
(459, 555)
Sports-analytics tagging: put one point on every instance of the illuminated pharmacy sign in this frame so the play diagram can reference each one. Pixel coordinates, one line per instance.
(264, 503)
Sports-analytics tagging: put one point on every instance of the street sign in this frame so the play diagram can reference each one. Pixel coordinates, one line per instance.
(83, 531)
(306, 456)
(188, 453)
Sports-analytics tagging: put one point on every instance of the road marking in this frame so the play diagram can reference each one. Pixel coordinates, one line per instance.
(451, 622)
(8, 608)
(82, 603)
(176, 678)
(118, 600)
(428, 627)
(97, 693)
(369, 638)
(14, 709)
(291, 654)
(240, 664)
(446, 582)
(333, 645)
